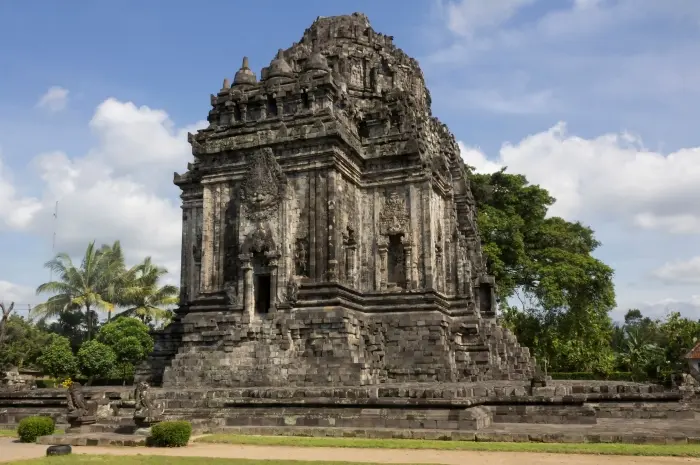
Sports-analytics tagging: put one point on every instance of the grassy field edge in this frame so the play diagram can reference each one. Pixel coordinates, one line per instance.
(668, 450)
(170, 460)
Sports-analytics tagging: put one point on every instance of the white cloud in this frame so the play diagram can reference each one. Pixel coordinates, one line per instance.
(121, 189)
(680, 272)
(688, 307)
(22, 296)
(467, 17)
(517, 103)
(475, 158)
(138, 139)
(564, 50)
(611, 177)
(54, 100)
(583, 4)
(15, 212)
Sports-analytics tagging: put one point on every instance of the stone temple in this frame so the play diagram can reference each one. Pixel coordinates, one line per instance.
(333, 283)
(329, 232)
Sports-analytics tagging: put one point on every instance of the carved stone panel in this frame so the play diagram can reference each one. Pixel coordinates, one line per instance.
(263, 186)
(394, 218)
(301, 257)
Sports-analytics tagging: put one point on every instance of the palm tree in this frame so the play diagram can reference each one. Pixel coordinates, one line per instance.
(638, 353)
(142, 294)
(85, 287)
(117, 277)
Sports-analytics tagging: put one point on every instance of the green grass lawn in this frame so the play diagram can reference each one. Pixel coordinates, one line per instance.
(681, 450)
(154, 460)
(12, 433)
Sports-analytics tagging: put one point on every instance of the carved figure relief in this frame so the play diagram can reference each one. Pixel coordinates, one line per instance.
(231, 295)
(292, 290)
(349, 237)
(264, 185)
(259, 240)
(197, 247)
(301, 257)
(75, 398)
(80, 411)
(146, 411)
(394, 218)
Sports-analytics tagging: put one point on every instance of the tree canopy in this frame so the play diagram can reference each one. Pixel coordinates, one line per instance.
(556, 294)
(103, 283)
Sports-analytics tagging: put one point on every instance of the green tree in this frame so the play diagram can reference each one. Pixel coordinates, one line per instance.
(23, 343)
(78, 288)
(130, 340)
(71, 324)
(96, 360)
(545, 266)
(144, 297)
(677, 335)
(641, 356)
(4, 316)
(57, 359)
(117, 278)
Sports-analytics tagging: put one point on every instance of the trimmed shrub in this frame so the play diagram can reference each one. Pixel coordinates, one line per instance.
(30, 428)
(170, 434)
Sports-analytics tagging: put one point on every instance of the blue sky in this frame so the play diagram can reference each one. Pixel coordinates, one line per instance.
(595, 100)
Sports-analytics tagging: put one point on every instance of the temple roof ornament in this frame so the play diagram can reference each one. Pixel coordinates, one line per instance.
(245, 75)
(316, 62)
(279, 67)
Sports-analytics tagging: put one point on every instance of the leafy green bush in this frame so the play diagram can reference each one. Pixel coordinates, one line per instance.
(130, 340)
(581, 376)
(57, 359)
(31, 428)
(96, 359)
(46, 383)
(170, 434)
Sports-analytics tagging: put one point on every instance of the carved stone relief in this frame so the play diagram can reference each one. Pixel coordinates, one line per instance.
(349, 239)
(301, 257)
(394, 218)
(259, 240)
(263, 186)
(197, 246)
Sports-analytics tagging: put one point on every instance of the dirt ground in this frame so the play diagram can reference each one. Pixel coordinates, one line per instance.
(11, 451)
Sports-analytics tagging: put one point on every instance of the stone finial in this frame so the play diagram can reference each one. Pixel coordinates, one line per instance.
(279, 67)
(316, 62)
(244, 75)
(226, 84)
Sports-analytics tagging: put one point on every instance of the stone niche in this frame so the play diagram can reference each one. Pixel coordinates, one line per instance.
(329, 232)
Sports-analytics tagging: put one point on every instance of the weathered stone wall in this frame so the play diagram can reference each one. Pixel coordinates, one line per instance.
(465, 406)
(329, 231)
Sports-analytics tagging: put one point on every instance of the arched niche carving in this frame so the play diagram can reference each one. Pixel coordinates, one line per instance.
(394, 244)
(259, 262)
